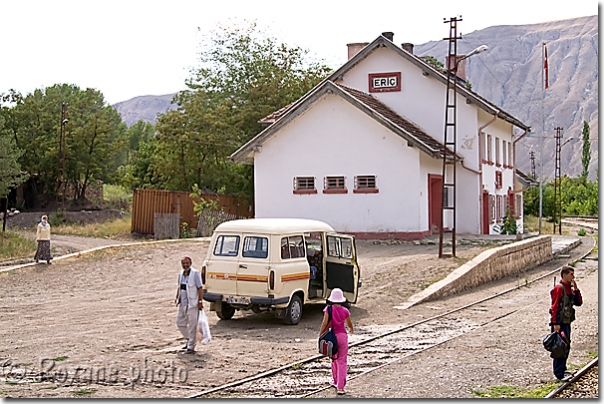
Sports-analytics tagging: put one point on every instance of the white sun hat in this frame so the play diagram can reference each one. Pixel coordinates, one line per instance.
(337, 296)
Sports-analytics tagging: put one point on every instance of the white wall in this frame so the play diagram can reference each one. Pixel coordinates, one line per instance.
(421, 100)
(334, 137)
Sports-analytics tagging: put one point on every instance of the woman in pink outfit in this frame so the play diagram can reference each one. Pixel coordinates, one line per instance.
(339, 315)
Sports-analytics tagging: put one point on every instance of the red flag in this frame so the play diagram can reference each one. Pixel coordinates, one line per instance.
(545, 69)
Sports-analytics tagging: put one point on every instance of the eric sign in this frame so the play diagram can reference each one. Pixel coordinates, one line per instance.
(383, 82)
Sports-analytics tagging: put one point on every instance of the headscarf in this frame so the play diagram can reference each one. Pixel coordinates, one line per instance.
(44, 222)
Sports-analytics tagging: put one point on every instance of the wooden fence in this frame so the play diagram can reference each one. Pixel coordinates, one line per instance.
(147, 202)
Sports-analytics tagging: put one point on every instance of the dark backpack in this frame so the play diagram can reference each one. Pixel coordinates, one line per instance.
(328, 343)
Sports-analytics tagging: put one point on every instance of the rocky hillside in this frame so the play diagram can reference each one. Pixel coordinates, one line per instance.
(144, 108)
(509, 74)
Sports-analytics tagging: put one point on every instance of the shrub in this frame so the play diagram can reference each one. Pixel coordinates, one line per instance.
(581, 232)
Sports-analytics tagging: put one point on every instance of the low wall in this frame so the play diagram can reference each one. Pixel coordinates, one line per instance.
(488, 266)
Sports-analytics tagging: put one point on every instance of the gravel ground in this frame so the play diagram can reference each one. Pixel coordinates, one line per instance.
(113, 310)
(507, 352)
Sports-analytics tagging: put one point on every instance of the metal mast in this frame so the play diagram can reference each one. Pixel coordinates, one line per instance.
(557, 215)
(533, 174)
(450, 140)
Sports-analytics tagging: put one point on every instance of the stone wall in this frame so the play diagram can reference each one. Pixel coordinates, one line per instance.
(489, 265)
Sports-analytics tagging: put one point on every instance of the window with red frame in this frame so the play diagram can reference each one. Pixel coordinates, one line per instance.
(304, 185)
(498, 179)
(365, 184)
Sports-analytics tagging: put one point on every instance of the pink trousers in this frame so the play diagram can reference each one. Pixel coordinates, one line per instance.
(339, 366)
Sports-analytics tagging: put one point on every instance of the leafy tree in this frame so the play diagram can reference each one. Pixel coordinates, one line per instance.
(578, 197)
(95, 136)
(586, 152)
(11, 175)
(431, 60)
(244, 75)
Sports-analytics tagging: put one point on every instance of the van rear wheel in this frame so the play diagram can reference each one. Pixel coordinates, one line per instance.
(225, 311)
(293, 313)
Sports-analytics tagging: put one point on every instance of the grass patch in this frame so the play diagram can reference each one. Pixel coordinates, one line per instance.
(51, 387)
(595, 249)
(532, 224)
(84, 392)
(110, 229)
(13, 245)
(592, 354)
(429, 281)
(516, 392)
(60, 358)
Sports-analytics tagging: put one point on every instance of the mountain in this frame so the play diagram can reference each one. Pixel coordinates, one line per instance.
(144, 108)
(509, 75)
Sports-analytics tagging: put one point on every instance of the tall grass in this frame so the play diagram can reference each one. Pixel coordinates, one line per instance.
(119, 227)
(116, 196)
(13, 245)
(532, 224)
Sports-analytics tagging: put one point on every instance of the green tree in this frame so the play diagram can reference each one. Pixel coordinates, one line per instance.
(244, 76)
(95, 136)
(586, 152)
(11, 175)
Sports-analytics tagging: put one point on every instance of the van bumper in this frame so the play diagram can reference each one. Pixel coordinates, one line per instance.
(212, 297)
(268, 301)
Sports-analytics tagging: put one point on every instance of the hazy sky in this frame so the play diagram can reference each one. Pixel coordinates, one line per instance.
(128, 48)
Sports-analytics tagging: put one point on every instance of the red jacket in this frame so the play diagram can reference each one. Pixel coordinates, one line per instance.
(557, 294)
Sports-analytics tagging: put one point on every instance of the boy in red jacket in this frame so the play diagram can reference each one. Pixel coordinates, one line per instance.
(565, 295)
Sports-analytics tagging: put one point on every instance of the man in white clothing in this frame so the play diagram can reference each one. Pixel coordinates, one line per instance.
(189, 297)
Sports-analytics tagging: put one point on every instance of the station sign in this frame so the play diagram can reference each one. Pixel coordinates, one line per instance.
(384, 82)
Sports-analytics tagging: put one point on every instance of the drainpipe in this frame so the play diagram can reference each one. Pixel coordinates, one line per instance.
(479, 172)
(514, 150)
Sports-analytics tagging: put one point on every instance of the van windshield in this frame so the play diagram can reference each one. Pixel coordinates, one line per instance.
(227, 246)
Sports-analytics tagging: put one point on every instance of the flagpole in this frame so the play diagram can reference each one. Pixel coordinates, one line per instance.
(541, 137)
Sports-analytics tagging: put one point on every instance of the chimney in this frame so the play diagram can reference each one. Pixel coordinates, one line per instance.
(408, 47)
(461, 67)
(389, 36)
(354, 48)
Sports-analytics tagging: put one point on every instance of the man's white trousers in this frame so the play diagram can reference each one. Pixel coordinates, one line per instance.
(186, 320)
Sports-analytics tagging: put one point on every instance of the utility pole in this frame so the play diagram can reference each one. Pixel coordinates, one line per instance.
(62, 153)
(450, 139)
(533, 175)
(557, 214)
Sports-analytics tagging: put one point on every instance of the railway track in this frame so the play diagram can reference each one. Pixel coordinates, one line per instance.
(584, 384)
(380, 347)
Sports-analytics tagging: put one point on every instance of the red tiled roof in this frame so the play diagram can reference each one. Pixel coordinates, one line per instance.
(271, 118)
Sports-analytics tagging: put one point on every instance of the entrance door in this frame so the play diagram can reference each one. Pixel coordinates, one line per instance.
(341, 265)
(435, 201)
(485, 212)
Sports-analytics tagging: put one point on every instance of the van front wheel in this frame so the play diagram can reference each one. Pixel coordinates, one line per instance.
(225, 311)
(293, 313)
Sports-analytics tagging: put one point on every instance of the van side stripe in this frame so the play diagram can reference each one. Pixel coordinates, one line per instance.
(233, 277)
(221, 275)
(295, 277)
(252, 278)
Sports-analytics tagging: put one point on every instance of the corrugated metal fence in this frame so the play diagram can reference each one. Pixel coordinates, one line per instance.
(147, 202)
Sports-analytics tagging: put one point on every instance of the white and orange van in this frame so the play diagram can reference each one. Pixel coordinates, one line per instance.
(277, 265)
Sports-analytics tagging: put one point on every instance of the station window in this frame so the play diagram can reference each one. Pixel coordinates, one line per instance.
(490, 149)
(497, 157)
(335, 185)
(304, 185)
(365, 184)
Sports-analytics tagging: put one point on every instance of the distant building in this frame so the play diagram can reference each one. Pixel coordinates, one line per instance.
(362, 151)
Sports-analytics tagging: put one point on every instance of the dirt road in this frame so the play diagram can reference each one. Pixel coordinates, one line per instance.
(102, 325)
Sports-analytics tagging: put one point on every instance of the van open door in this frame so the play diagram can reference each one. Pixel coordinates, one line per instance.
(342, 270)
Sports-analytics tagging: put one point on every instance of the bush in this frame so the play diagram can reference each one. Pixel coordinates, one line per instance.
(581, 232)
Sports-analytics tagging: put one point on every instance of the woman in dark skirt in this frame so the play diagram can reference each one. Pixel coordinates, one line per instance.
(43, 239)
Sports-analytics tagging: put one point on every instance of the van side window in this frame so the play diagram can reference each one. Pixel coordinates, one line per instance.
(227, 246)
(333, 246)
(296, 247)
(292, 247)
(255, 247)
(284, 249)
